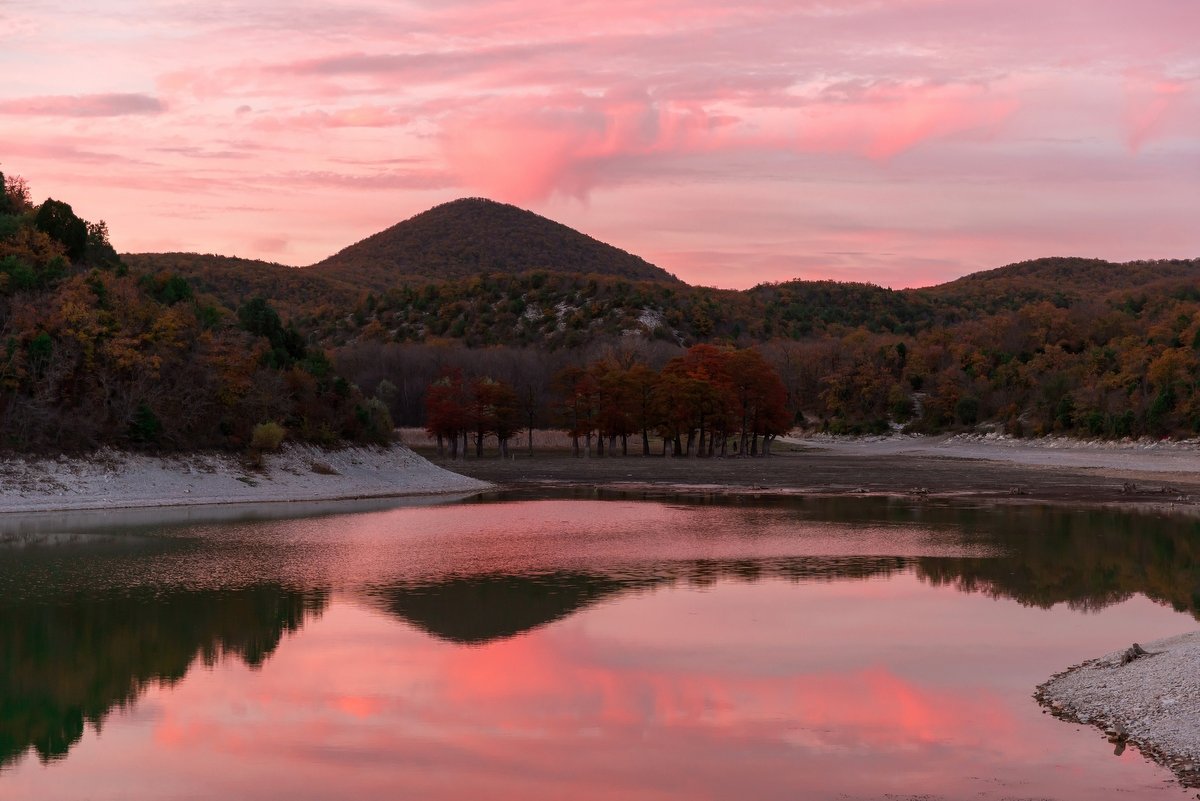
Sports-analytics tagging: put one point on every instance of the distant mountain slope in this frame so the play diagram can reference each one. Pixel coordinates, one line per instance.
(1078, 273)
(472, 236)
(233, 281)
(1061, 280)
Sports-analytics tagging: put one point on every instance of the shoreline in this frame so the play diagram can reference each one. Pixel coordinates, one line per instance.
(1131, 476)
(1151, 703)
(112, 480)
(963, 468)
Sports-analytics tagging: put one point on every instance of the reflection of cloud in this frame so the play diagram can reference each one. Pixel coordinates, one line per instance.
(523, 716)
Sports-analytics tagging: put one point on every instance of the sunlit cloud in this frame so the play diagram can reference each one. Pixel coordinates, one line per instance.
(1151, 103)
(977, 132)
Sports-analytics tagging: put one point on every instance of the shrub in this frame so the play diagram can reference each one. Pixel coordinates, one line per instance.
(267, 436)
(967, 411)
(145, 426)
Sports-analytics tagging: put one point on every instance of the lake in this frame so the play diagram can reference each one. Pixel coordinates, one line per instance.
(581, 645)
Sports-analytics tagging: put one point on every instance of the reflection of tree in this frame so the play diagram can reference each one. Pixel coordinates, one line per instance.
(1085, 559)
(69, 660)
(1041, 556)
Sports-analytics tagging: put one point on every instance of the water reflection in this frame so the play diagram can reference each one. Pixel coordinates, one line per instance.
(73, 659)
(679, 644)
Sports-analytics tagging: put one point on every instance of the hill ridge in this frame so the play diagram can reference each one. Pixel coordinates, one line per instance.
(470, 236)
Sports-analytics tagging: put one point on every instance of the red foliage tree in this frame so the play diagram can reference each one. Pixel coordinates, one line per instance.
(446, 410)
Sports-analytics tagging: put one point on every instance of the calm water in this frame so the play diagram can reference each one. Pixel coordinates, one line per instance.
(574, 648)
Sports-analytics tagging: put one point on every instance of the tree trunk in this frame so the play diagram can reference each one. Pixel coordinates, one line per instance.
(587, 440)
(441, 445)
(479, 444)
(624, 444)
(754, 444)
(646, 442)
(504, 447)
(529, 436)
(677, 446)
(454, 447)
(600, 445)
(575, 445)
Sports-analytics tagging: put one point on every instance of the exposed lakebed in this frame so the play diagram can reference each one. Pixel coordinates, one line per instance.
(585, 645)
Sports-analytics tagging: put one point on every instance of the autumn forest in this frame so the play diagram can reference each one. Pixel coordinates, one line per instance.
(479, 321)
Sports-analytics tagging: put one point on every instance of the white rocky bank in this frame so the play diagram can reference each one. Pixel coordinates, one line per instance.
(1152, 701)
(115, 479)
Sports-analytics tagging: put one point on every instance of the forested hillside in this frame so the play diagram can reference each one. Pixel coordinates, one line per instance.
(180, 350)
(97, 354)
(1057, 345)
(231, 280)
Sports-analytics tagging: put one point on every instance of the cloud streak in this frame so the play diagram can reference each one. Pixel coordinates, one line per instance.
(975, 131)
(103, 105)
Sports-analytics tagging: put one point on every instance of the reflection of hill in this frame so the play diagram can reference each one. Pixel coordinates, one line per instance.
(482, 608)
(477, 609)
(70, 661)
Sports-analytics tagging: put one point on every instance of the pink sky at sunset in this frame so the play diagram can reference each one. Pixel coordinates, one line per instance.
(901, 142)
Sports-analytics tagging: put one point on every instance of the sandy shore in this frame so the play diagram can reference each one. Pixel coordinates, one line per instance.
(1128, 459)
(117, 480)
(1152, 702)
(1150, 476)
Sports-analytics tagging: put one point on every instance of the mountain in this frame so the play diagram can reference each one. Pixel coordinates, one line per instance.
(471, 236)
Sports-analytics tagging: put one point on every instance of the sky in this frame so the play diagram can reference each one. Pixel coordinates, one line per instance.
(898, 142)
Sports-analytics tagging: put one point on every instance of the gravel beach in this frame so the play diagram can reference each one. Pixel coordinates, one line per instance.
(1151, 701)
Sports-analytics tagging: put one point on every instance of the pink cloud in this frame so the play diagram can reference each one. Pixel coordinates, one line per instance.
(529, 148)
(106, 105)
(1149, 107)
(363, 116)
(978, 131)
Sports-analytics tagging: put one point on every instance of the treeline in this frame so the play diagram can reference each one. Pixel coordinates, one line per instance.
(708, 401)
(1091, 369)
(93, 355)
(169, 354)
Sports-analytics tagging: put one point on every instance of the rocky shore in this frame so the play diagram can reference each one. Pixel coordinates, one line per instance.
(1146, 696)
(121, 480)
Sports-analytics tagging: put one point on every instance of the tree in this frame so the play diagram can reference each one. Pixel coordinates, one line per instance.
(446, 410)
(56, 219)
(493, 409)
